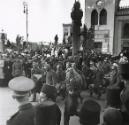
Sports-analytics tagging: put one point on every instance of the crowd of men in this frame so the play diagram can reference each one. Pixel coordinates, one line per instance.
(58, 73)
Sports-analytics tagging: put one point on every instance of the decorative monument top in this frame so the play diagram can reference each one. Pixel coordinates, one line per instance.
(76, 14)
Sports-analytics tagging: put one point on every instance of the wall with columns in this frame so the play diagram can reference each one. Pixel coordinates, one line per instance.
(119, 24)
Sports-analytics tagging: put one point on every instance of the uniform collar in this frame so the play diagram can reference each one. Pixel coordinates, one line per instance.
(25, 106)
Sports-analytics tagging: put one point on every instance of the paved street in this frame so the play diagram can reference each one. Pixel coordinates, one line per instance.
(8, 107)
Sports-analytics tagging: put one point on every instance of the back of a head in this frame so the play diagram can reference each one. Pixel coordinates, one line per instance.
(48, 67)
(50, 91)
(45, 115)
(112, 116)
(90, 113)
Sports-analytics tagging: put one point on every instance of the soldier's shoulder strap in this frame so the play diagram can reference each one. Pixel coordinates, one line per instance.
(8, 122)
(14, 115)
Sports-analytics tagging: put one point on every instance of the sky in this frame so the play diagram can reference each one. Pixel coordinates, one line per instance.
(46, 18)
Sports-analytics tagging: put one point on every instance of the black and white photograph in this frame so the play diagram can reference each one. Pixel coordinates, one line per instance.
(64, 62)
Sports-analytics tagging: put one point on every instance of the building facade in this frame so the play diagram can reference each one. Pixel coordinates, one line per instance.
(121, 31)
(101, 14)
(111, 21)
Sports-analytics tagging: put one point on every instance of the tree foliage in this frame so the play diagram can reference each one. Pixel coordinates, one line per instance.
(88, 35)
(88, 41)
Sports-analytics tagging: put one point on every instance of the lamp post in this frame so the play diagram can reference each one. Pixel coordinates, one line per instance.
(26, 12)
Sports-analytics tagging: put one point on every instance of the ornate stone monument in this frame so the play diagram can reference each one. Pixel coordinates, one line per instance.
(76, 16)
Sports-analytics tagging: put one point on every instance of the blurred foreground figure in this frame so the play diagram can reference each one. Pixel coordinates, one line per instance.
(112, 116)
(124, 96)
(90, 113)
(47, 111)
(21, 87)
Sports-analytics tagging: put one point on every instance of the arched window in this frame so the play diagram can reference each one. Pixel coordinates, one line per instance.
(126, 31)
(94, 17)
(103, 17)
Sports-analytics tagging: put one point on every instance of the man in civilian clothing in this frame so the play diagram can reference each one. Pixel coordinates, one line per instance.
(47, 111)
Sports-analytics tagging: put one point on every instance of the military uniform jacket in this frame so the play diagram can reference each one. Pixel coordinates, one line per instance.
(25, 116)
(17, 69)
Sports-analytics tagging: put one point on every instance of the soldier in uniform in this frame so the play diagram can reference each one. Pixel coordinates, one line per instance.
(17, 68)
(8, 70)
(27, 68)
(21, 87)
(36, 75)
